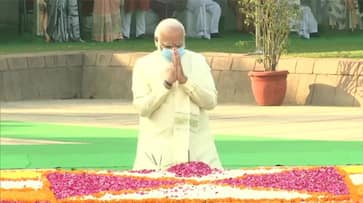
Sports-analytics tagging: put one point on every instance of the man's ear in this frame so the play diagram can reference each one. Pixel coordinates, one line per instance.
(156, 42)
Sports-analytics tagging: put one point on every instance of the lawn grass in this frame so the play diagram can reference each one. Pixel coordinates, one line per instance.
(113, 148)
(329, 44)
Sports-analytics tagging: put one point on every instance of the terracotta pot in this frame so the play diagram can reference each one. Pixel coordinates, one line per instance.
(269, 88)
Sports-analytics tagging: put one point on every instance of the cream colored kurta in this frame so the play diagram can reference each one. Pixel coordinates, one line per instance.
(173, 123)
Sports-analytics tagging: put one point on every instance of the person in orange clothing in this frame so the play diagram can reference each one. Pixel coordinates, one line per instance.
(106, 20)
(139, 8)
(43, 19)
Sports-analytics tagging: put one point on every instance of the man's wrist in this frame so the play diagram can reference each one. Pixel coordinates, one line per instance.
(167, 84)
(184, 81)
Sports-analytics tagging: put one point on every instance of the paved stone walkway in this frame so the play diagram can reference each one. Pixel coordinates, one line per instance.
(295, 122)
(14, 141)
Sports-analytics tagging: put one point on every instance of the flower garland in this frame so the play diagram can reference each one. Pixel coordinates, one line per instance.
(320, 184)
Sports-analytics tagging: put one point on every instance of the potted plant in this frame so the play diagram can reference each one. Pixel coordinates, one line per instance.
(272, 19)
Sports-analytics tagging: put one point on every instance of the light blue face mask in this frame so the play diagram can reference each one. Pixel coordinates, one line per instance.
(168, 53)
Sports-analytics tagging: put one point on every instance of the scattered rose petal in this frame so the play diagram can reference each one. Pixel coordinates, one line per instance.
(191, 169)
(323, 179)
(73, 184)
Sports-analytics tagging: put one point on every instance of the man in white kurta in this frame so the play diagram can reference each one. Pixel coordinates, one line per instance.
(206, 16)
(306, 24)
(172, 91)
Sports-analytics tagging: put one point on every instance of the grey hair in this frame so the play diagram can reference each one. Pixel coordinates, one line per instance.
(165, 24)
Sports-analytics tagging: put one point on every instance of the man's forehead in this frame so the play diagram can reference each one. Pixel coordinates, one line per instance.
(171, 33)
(171, 43)
(171, 40)
(172, 30)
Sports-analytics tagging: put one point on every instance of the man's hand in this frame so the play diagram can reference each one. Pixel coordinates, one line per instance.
(171, 74)
(180, 77)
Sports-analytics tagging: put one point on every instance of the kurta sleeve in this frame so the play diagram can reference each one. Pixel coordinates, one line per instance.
(200, 86)
(146, 97)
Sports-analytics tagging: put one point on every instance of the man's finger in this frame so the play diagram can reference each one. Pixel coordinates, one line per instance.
(175, 62)
(175, 57)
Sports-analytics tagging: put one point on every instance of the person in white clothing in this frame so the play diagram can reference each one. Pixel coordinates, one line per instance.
(306, 25)
(139, 8)
(172, 89)
(205, 27)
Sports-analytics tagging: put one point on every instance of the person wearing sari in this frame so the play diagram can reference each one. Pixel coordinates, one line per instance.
(139, 8)
(106, 20)
(42, 19)
(172, 90)
(63, 20)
